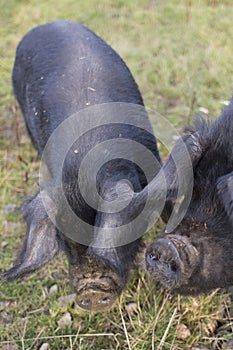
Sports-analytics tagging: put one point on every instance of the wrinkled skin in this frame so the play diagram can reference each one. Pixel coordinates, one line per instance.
(197, 256)
(60, 69)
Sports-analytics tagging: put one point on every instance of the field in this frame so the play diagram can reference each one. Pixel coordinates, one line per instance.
(180, 53)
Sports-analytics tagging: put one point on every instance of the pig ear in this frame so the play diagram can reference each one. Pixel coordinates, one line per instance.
(225, 190)
(183, 159)
(175, 174)
(40, 243)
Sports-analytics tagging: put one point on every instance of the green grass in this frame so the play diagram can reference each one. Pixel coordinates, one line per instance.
(180, 53)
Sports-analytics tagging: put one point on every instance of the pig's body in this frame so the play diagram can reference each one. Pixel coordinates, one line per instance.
(198, 255)
(60, 69)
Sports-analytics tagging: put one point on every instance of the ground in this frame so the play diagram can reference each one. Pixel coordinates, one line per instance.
(180, 53)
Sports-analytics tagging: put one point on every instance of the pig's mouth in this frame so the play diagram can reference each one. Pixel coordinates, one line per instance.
(171, 261)
(97, 286)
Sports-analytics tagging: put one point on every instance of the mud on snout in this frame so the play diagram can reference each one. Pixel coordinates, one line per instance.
(96, 284)
(171, 261)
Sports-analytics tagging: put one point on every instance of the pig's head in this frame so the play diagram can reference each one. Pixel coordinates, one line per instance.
(95, 280)
(192, 259)
(197, 255)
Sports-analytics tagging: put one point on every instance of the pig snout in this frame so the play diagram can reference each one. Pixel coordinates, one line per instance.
(97, 286)
(171, 260)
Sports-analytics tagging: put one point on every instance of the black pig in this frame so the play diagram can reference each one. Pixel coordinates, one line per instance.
(197, 255)
(60, 69)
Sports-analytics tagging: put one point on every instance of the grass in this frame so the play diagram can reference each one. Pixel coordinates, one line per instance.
(180, 53)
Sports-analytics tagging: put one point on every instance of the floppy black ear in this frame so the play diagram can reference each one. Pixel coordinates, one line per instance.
(40, 243)
(183, 159)
(225, 190)
(172, 183)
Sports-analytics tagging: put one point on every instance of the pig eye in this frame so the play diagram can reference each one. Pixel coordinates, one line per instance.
(86, 302)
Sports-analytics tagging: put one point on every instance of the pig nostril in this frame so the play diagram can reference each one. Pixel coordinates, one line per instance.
(173, 266)
(104, 301)
(86, 302)
(152, 259)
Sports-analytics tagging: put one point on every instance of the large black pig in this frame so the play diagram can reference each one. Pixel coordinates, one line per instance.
(62, 68)
(197, 255)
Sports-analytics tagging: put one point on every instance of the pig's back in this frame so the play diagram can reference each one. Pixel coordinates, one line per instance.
(62, 67)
